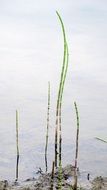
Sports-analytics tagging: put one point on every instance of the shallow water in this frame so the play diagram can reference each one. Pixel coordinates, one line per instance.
(32, 127)
(30, 56)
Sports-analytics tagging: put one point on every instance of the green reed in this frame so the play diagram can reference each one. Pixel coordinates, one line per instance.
(60, 109)
(47, 130)
(58, 135)
(76, 153)
(17, 145)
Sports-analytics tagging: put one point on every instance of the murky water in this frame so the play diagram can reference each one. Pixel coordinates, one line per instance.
(30, 56)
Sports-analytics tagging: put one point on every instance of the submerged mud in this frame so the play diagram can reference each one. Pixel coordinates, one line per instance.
(99, 183)
(45, 182)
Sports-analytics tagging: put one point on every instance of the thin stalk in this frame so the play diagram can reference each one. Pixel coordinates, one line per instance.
(60, 91)
(60, 108)
(47, 132)
(60, 136)
(60, 176)
(101, 139)
(76, 153)
(17, 146)
(56, 136)
(52, 175)
(65, 71)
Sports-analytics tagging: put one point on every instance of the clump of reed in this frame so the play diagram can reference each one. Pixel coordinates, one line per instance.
(58, 136)
(58, 128)
(17, 146)
(47, 130)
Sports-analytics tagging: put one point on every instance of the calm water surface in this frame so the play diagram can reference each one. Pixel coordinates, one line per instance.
(31, 101)
(31, 48)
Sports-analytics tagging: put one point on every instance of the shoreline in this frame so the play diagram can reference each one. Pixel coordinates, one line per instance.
(44, 182)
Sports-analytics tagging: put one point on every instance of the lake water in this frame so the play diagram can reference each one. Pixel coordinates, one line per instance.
(31, 52)
(30, 99)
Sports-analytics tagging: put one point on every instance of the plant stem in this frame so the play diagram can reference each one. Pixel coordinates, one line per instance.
(52, 175)
(60, 176)
(60, 109)
(101, 139)
(59, 98)
(47, 132)
(76, 153)
(17, 146)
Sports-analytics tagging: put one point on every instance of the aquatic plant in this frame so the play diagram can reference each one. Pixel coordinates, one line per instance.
(17, 146)
(47, 131)
(58, 135)
(77, 143)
